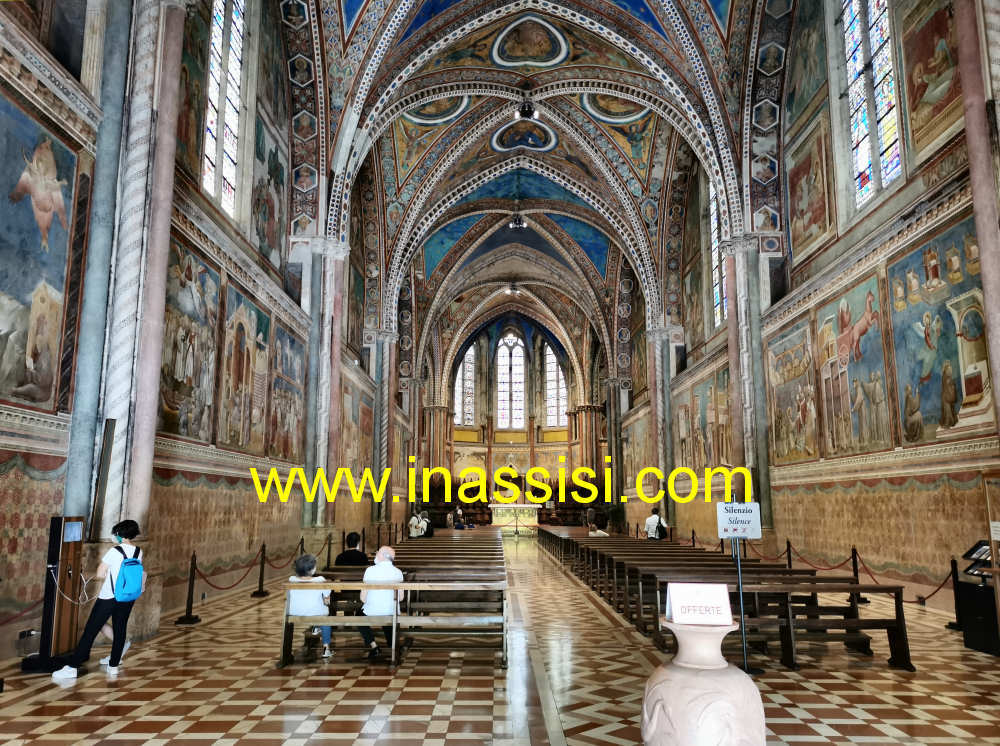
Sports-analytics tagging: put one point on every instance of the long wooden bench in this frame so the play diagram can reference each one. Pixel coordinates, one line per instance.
(495, 623)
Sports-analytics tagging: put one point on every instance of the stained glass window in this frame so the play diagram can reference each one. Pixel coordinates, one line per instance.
(510, 383)
(222, 122)
(465, 389)
(720, 302)
(871, 96)
(555, 391)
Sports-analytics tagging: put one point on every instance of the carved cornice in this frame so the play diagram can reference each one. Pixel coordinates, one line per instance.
(35, 432)
(30, 69)
(200, 228)
(326, 246)
(205, 459)
(740, 245)
(966, 455)
(866, 257)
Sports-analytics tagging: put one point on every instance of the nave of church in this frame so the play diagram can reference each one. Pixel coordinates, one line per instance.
(551, 336)
(575, 675)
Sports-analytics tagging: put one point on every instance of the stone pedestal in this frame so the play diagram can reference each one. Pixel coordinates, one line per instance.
(698, 699)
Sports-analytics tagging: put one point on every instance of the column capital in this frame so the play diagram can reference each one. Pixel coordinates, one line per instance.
(384, 335)
(324, 246)
(666, 333)
(744, 244)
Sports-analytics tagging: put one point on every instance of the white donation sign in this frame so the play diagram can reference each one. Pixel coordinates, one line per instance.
(738, 520)
(698, 603)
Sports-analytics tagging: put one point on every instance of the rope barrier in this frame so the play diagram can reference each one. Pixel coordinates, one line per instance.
(875, 580)
(282, 567)
(249, 567)
(21, 613)
(764, 556)
(818, 567)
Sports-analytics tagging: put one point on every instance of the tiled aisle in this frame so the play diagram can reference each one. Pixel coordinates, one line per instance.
(576, 675)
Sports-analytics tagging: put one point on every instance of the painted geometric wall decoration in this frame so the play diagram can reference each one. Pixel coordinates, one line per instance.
(792, 409)
(777, 8)
(304, 125)
(766, 219)
(38, 187)
(851, 363)
(939, 336)
(300, 70)
(294, 13)
(764, 168)
(190, 344)
(765, 115)
(305, 178)
(524, 134)
(810, 189)
(807, 66)
(930, 59)
(771, 58)
(529, 41)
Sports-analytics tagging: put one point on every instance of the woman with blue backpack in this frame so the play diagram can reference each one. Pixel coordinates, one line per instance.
(123, 579)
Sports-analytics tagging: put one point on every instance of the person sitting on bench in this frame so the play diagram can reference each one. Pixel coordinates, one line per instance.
(308, 602)
(352, 556)
(599, 524)
(380, 602)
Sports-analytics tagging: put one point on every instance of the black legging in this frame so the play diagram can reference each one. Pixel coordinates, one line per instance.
(104, 608)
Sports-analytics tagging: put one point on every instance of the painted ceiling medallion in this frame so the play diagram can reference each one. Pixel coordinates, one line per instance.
(442, 111)
(529, 134)
(612, 109)
(530, 41)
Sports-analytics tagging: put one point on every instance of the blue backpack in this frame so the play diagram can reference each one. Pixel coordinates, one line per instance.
(128, 584)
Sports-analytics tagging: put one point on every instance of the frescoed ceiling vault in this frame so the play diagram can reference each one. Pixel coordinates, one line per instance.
(619, 99)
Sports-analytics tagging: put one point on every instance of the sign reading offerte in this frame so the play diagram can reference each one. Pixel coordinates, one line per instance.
(738, 520)
(698, 603)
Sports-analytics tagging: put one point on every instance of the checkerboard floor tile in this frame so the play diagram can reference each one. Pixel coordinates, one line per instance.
(576, 675)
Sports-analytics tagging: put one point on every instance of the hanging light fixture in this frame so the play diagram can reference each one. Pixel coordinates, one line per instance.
(516, 220)
(526, 110)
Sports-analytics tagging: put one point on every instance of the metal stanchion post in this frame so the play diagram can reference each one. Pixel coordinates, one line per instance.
(260, 592)
(788, 553)
(189, 617)
(957, 624)
(329, 548)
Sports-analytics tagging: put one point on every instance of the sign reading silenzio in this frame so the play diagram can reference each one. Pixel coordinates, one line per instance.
(698, 603)
(738, 520)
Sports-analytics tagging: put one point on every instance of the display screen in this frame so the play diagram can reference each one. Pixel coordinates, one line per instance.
(72, 531)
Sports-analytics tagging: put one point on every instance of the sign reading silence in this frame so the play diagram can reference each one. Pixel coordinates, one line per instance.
(698, 603)
(738, 520)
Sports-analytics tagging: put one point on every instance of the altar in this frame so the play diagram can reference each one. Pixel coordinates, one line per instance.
(519, 518)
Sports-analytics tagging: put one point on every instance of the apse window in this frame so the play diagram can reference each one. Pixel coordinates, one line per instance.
(871, 97)
(720, 301)
(510, 383)
(465, 389)
(555, 391)
(222, 121)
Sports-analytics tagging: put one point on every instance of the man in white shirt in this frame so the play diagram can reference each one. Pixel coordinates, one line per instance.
(414, 525)
(380, 602)
(652, 522)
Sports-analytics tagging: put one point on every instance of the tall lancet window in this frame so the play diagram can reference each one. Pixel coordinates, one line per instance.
(222, 121)
(510, 383)
(555, 391)
(720, 303)
(871, 96)
(465, 389)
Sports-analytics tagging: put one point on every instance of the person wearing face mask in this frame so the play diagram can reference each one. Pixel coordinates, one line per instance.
(110, 603)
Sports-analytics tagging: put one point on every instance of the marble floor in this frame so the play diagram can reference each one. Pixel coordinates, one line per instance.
(575, 676)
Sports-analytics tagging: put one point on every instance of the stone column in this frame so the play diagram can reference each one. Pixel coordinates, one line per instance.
(385, 357)
(984, 188)
(613, 409)
(659, 340)
(93, 43)
(437, 428)
(735, 362)
(154, 286)
(589, 433)
(532, 435)
(84, 440)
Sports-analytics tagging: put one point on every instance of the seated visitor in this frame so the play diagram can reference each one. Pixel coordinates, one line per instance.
(426, 527)
(310, 602)
(597, 528)
(352, 556)
(449, 520)
(380, 602)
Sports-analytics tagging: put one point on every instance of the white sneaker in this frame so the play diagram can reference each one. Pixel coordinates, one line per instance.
(112, 670)
(107, 659)
(326, 651)
(66, 672)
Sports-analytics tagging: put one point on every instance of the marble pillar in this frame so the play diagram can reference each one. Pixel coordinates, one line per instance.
(613, 409)
(329, 399)
(95, 24)
(981, 174)
(735, 366)
(84, 438)
(154, 286)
